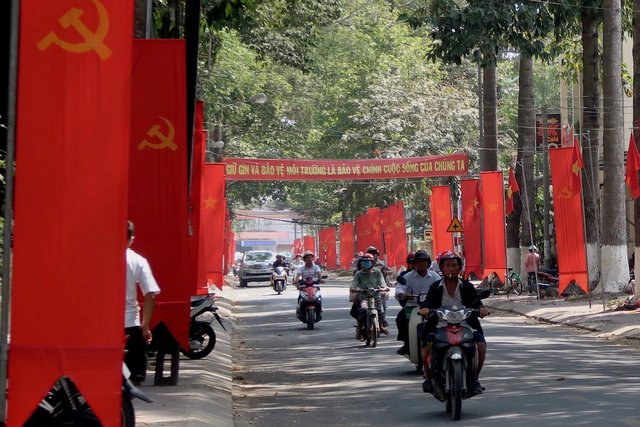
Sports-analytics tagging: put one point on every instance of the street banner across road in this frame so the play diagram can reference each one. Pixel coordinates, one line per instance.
(241, 169)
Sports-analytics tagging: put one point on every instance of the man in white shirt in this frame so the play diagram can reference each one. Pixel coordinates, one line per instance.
(308, 269)
(137, 332)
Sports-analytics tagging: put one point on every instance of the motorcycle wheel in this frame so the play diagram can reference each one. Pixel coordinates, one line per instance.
(206, 333)
(279, 288)
(128, 413)
(311, 317)
(456, 390)
(374, 331)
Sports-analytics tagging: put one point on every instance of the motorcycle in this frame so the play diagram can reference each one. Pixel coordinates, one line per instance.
(415, 332)
(371, 327)
(309, 309)
(279, 279)
(64, 405)
(202, 337)
(453, 357)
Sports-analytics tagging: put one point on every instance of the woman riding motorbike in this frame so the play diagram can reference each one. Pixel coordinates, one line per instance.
(368, 277)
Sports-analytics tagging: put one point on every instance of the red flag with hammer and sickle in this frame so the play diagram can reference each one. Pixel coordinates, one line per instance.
(67, 305)
(213, 217)
(158, 199)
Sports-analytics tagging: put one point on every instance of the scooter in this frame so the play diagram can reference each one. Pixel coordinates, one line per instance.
(64, 405)
(202, 337)
(372, 322)
(453, 357)
(415, 332)
(309, 309)
(279, 279)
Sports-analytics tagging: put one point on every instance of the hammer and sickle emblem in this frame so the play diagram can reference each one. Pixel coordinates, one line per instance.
(166, 140)
(92, 41)
(565, 193)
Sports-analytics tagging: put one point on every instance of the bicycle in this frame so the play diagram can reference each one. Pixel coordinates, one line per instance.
(513, 283)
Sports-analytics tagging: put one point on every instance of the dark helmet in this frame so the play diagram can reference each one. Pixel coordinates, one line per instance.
(372, 250)
(422, 255)
(449, 255)
(410, 257)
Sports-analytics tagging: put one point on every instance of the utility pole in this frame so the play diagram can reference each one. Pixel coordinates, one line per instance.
(545, 187)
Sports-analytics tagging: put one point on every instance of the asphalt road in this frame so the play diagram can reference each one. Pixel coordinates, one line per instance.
(285, 375)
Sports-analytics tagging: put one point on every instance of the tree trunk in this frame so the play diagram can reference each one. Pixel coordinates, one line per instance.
(591, 140)
(489, 149)
(526, 150)
(615, 269)
(636, 120)
(140, 19)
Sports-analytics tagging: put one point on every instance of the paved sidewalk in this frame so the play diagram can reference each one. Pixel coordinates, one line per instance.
(203, 394)
(601, 320)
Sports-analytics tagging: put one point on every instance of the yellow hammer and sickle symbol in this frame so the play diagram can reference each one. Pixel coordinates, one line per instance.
(92, 41)
(565, 193)
(166, 139)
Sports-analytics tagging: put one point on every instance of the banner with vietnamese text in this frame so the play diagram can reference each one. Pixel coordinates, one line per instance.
(68, 277)
(241, 169)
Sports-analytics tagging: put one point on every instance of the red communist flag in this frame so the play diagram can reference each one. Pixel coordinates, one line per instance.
(387, 216)
(471, 207)
(70, 204)
(633, 166)
(493, 232)
(229, 245)
(568, 218)
(394, 234)
(198, 276)
(512, 188)
(213, 221)
(309, 243)
(440, 219)
(346, 245)
(158, 198)
(298, 247)
(363, 232)
(576, 166)
(375, 222)
(327, 237)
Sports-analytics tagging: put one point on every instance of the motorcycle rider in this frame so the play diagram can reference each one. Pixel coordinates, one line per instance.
(368, 277)
(279, 262)
(413, 284)
(452, 290)
(308, 269)
(382, 266)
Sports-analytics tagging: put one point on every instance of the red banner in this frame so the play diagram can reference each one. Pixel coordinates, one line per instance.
(213, 222)
(395, 237)
(309, 243)
(346, 245)
(493, 232)
(67, 305)
(198, 276)
(632, 168)
(327, 237)
(471, 206)
(376, 237)
(568, 218)
(298, 247)
(230, 246)
(337, 170)
(363, 232)
(440, 219)
(158, 202)
(512, 188)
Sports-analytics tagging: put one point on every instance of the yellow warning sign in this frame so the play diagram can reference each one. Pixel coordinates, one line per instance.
(455, 226)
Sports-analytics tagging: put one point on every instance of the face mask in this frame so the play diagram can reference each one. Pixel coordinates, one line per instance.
(366, 264)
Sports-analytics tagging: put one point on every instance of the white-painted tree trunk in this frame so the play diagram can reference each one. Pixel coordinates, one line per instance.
(593, 264)
(524, 251)
(513, 259)
(615, 279)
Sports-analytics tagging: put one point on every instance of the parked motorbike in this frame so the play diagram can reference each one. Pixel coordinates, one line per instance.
(453, 357)
(65, 406)
(279, 279)
(309, 308)
(202, 337)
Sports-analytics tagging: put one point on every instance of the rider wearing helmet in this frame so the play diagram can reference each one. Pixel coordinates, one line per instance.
(380, 265)
(279, 262)
(452, 290)
(368, 277)
(308, 269)
(416, 282)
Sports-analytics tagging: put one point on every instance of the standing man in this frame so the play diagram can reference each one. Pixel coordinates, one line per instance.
(531, 266)
(136, 330)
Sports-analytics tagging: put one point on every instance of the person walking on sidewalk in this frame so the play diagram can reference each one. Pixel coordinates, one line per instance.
(137, 332)
(531, 266)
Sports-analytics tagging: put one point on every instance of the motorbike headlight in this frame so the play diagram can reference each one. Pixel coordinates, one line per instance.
(455, 316)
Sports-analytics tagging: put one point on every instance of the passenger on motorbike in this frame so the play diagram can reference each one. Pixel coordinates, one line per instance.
(308, 269)
(368, 277)
(451, 290)
(412, 285)
(279, 262)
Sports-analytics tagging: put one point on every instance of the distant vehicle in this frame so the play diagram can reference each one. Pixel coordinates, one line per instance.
(256, 266)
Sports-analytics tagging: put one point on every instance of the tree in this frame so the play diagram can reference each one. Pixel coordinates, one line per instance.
(615, 272)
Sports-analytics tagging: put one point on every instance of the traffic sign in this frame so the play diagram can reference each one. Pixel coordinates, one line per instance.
(455, 226)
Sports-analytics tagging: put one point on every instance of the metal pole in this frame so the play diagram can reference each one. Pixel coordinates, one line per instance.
(545, 188)
(148, 19)
(8, 206)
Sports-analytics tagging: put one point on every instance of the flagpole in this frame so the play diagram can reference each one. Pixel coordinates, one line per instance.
(8, 206)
